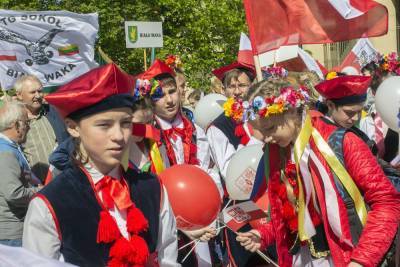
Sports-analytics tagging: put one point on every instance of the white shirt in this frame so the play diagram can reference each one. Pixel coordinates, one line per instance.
(203, 149)
(222, 150)
(40, 233)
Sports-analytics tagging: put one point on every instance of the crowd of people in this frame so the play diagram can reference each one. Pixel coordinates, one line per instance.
(80, 168)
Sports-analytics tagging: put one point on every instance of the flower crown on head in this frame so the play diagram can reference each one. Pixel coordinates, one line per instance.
(289, 97)
(173, 61)
(275, 72)
(145, 88)
(389, 63)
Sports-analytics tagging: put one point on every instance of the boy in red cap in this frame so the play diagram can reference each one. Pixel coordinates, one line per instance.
(185, 142)
(94, 213)
(345, 97)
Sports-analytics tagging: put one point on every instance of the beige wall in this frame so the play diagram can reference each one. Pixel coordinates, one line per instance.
(384, 44)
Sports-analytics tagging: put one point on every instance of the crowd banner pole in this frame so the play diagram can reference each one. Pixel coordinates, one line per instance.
(258, 68)
(145, 59)
(153, 54)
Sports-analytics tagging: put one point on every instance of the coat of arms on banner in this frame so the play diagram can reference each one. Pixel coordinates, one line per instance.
(55, 46)
(133, 33)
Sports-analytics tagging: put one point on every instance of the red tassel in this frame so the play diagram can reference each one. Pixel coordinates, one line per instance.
(114, 262)
(141, 254)
(239, 130)
(107, 230)
(136, 222)
(244, 140)
(121, 250)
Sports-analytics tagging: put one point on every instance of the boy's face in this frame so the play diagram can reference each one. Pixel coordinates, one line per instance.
(168, 106)
(238, 88)
(345, 116)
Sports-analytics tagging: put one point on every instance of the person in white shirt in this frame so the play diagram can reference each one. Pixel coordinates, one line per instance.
(185, 142)
(95, 213)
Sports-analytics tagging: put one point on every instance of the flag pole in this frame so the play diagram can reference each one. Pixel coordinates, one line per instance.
(258, 68)
(145, 59)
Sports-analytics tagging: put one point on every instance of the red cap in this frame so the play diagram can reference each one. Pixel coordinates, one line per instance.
(220, 73)
(159, 67)
(92, 88)
(350, 88)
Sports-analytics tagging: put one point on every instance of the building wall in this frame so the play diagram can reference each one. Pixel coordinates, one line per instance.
(332, 54)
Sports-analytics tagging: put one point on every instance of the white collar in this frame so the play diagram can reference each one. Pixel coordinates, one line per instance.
(97, 176)
(166, 125)
(5, 137)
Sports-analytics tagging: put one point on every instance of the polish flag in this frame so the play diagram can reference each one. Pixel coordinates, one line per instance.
(290, 57)
(362, 53)
(238, 215)
(8, 55)
(291, 22)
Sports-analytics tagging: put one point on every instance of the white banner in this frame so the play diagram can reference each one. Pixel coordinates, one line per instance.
(55, 46)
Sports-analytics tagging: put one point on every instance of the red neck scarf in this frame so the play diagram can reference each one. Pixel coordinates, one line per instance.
(186, 134)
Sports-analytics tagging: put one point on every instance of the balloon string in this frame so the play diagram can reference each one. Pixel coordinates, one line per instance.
(191, 250)
(191, 242)
(261, 254)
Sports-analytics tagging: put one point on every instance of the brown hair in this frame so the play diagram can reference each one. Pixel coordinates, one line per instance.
(234, 74)
(266, 88)
(143, 103)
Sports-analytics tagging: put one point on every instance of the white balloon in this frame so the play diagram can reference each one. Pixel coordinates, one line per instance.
(349, 70)
(208, 109)
(387, 101)
(241, 172)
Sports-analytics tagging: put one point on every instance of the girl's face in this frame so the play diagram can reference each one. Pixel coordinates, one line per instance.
(279, 129)
(104, 136)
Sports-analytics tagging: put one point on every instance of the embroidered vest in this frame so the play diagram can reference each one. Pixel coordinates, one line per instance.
(77, 211)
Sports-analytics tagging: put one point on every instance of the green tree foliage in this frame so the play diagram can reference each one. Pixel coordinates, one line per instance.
(204, 33)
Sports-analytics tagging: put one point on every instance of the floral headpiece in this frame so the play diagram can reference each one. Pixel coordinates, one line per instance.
(173, 61)
(275, 72)
(389, 63)
(145, 88)
(289, 97)
(331, 75)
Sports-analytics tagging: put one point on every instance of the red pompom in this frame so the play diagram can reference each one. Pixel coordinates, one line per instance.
(121, 250)
(239, 130)
(114, 262)
(107, 230)
(136, 222)
(141, 250)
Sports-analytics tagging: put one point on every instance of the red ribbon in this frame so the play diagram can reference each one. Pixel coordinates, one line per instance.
(113, 192)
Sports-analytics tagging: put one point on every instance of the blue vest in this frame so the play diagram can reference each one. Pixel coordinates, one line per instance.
(77, 210)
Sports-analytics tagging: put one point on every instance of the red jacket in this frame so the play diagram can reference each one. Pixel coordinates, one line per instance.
(379, 194)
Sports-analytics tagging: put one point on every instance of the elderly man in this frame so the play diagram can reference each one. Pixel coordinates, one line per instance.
(47, 129)
(16, 181)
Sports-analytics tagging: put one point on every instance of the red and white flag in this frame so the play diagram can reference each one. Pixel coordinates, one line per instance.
(361, 54)
(291, 22)
(238, 215)
(283, 53)
(292, 57)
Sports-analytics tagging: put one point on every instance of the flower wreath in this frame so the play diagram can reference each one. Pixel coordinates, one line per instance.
(275, 72)
(289, 97)
(173, 61)
(389, 63)
(144, 88)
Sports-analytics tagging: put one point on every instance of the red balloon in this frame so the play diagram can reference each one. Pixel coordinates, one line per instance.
(193, 195)
(262, 203)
